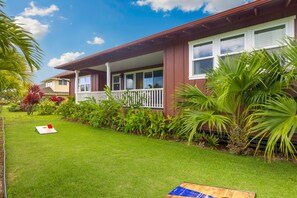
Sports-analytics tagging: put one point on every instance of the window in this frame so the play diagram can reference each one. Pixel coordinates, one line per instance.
(62, 82)
(269, 37)
(204, 53)
(158, 79)
(49, 84)
(129, 81)
(116, 82)
(202, 58)
(84, 83)
(147, 79)
(231, 46)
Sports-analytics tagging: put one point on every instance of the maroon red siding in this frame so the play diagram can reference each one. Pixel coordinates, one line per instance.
(98, 81)
(176, 73)
(71, 87)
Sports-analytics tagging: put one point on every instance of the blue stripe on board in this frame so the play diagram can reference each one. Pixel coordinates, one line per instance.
(184, 192)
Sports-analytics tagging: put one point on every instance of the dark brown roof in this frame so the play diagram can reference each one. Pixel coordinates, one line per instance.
(255, 12)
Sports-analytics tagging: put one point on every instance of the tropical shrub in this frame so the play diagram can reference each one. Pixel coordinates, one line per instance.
(46, 107)
(14, 107)
(238, 88)
(67, 108)
(106, 113)
(57, 99)
(32, 99)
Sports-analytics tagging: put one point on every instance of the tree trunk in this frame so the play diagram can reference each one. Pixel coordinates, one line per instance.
(238, 140)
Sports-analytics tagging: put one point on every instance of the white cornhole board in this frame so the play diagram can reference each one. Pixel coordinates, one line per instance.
(44, 130)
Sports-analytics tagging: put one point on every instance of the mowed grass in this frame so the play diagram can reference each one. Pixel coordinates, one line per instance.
(81, 161)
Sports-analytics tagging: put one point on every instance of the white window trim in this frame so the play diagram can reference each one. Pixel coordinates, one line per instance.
(120, 83)
(248, 37)
(199, 76)
(138, 71)
(79, 91)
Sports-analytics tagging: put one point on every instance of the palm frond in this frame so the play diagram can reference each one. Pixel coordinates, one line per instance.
(196, 120)
(278, 121)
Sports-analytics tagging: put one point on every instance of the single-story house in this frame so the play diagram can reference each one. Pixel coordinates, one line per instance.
(155, 66)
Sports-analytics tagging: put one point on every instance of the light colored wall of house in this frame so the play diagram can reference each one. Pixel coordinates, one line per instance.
(54, 84)
(60, 88)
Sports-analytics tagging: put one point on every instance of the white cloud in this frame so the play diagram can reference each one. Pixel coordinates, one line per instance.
(37, 29)
(210, 6)
(64, 58)
(215, 6)
(96, 41)
(35, 11)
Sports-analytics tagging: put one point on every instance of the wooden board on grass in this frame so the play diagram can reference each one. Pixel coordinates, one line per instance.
(45, 130)
(203, 191)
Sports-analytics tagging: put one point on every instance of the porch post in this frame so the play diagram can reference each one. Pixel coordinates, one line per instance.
(108, 75)
(76, 85)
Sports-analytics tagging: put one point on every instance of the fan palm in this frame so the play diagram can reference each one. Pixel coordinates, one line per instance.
(233, 90)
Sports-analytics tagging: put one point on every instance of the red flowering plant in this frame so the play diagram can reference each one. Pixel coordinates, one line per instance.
(57, 99)
(32, 99)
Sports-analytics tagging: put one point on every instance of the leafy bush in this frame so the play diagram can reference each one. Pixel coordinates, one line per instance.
(46, 107)
(57, 99)
(106, 113)
(136, 121)
(67, 108)
(32, 99)
(14, 107)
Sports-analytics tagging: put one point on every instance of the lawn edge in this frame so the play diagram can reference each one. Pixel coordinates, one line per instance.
(2, 160)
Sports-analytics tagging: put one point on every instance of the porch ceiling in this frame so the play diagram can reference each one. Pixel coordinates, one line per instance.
(155, 58)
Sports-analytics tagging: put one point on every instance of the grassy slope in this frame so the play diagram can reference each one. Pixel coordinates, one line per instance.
(81, 161)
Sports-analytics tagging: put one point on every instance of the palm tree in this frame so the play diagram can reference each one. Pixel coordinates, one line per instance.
(14, 38)
(277, 118)
(238, 87)
(13, 71)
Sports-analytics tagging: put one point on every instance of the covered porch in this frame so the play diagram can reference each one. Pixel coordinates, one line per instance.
(138, 80)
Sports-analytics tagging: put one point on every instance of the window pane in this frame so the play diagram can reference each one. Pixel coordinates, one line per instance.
(65, 82)
(130, 81)
(158, 79)
(202, 50)
(88, 87)
(88, 79)
(82, 81)
(60, 82)
(116, 86)
(203, 66)
(148, 80)
(269, 37)
(116, 79)
(139, 80)
(232, 44)
(82, 88)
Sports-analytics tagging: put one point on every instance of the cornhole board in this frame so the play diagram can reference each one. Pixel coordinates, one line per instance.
(45, 130)
(201, 191)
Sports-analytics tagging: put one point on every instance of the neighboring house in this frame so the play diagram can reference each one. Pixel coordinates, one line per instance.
(155, 66)
(55, 86)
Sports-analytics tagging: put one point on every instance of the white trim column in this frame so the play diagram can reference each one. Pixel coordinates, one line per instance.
(108, 75)
(76, 85)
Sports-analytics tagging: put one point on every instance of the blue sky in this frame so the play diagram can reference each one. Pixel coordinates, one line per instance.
(67, 30)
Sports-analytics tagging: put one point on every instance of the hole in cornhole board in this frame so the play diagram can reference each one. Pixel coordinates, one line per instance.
(45, 130)
(203, 191)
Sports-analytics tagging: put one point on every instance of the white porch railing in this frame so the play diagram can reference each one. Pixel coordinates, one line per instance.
(151, 98)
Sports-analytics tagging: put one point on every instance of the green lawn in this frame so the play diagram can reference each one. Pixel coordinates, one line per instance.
(81, 161)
